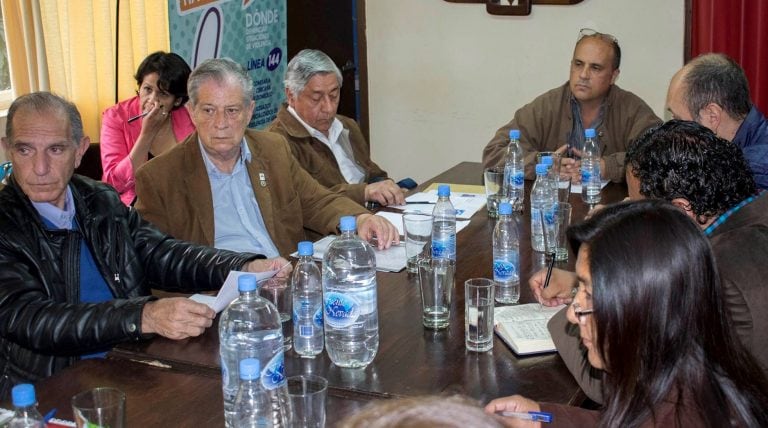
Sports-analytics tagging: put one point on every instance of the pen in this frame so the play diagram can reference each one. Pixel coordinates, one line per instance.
(419, 203)
(48, 416)
(545, 417)
(549, 271)
(138, 116)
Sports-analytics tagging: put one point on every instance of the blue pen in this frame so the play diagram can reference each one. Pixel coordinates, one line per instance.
(545, 417)
(48, 416)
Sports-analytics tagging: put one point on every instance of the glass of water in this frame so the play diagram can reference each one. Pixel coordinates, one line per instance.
(478, 314)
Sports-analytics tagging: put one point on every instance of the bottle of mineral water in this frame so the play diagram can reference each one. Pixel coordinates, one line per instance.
(506, 256)
(351, 316)
(543, 196)
(513, 171)
(250, 328)
(252, 403)
(307, 304)
(590, 169)
(444, 225)
(25, 413)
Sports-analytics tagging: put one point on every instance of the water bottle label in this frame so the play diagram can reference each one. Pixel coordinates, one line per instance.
(515, 178)
(341, 310)
(503, 270)
(586, 175)
(549, 216)
(273, 375)
(444, 249)
(318, 318)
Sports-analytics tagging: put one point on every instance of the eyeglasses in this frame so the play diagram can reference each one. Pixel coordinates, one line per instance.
(581, 314)
(588, 32)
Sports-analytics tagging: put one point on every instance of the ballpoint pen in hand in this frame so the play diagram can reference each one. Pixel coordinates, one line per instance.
(138, 116)
(545, 417)
(549, 272)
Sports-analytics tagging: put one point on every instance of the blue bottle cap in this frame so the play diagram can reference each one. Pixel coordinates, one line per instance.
(306, 248)
(444, 190)
(347, 223)
(246, 283)
(589, 133)
(514, 134)
(23, 395)
(249, 369)
(505, 208)
(541, 169)
(546, 160)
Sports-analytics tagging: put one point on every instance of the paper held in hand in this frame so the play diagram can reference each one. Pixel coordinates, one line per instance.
(524, 327)
(228, 291)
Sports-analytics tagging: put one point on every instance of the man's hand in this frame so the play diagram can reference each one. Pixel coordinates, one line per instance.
(369, 225)
(516, 404)
(264, 265)
(385, 192)
(558, 292)
(176, 318)
(569, 166)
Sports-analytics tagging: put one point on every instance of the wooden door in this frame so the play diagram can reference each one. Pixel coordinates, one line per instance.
(337, 28)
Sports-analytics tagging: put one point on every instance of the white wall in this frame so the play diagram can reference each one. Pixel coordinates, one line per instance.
(443, 77)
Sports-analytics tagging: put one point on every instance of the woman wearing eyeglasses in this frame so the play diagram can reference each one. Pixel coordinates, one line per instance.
(140, 128)
(651, 316)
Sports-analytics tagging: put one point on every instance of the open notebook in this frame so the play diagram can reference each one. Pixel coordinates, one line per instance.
(524, 327)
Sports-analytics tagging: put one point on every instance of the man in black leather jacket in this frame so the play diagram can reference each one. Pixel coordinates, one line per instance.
(76, 265)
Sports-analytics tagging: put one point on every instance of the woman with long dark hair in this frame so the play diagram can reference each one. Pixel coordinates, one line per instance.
(651, 316)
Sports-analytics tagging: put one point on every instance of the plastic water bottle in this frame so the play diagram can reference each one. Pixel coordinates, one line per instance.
(25, 413)
(542, 198)
(514, 178)
(351, 316)
(548, 161)
(590, 169)
(252, 403)
(250, 328)
(506, 256)
(444, 225)
(307, 304)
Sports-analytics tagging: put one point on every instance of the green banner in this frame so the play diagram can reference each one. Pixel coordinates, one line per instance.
(251, 32)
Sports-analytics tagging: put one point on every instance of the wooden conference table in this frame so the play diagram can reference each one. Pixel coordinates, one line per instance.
(411, 359)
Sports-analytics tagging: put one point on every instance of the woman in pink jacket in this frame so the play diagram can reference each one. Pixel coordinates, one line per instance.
(140, 128)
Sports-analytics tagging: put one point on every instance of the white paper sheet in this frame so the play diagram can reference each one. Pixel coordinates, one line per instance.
(228, 291)
(466, 204)
(397, 220)
(390, 260)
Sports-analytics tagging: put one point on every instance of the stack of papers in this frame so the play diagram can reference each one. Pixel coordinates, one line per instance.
(466, 204)
(397, 220)
(390, 260)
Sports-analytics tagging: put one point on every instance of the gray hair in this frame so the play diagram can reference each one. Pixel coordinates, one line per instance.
(51, 104)
(428, 411)
(305, 65)
(222, 70)
(716, 78)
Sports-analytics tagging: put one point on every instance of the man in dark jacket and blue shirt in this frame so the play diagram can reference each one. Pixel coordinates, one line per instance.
(713, 90)
(76, 265)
